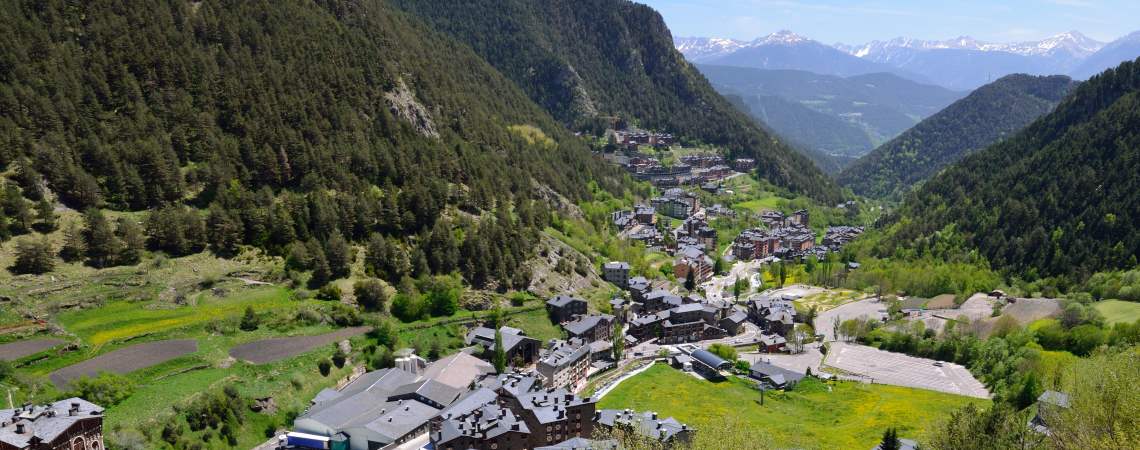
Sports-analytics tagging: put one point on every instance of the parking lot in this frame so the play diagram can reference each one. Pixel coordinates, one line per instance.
(898, 369)
(870, 308)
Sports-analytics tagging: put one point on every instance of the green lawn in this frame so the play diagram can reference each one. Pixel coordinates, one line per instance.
(124, 320)
(846, 415)
(760, 204)
(1115, 311)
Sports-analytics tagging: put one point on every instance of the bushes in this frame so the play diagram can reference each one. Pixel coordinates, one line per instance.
(725, 351)
(106, 389)
(324, 366)
(370, 294)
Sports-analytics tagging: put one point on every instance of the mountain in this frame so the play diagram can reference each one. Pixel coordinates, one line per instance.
(587, 60)
(965, 63)
(832, 115)
(782, 50)
(1071, 45)
(1060, 198)
(1123, 49)
(286, 122)
(990, 113)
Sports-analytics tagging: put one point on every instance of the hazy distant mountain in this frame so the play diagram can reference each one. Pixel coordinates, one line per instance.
(966, 63)
(961, 63)
(781, 50)
(1126, 48)
(990, 113)
(1071, 45)
(830, 114)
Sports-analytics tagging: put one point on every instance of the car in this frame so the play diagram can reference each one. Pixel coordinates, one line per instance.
(937, 363)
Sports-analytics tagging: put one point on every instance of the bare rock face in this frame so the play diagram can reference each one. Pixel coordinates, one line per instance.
(403, 104)
(264, 405)
(558, 268)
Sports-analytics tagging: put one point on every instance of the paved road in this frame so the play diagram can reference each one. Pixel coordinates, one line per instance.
(19, 349)
(902, 370)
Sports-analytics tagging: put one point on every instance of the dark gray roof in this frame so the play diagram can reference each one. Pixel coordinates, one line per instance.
(617, 265)
(583, 324)
(778, 375)
(45, 422)
(646, 423)
(435, 391)
(709, 359)
(563, 300)
(486, 337)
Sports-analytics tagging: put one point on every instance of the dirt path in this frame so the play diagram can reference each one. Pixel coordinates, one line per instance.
(20, 349)
(126, 360)
(270, 350)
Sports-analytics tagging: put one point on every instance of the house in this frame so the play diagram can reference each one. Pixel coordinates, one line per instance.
(590, 328)
(512, 412)
(668, 430)
(799, 218)
(520, 349)
(638, 288)
(1049, 404)
(564, 307)
(774, 377)
(682, 362)
(754, 244)
(743, 164)
(623, 220)
(734, 323)
(660, 300)
(773, 219)
(620, 307)
(772, 343)
(692, 259)
(565, 363)
(836, 237)
(645, 215)
(775, 316)
(719, 210)
(616, 272)
(73, 423)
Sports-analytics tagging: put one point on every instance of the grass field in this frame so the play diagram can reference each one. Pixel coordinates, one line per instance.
(826, 300)
(845, 415)
(124, 320)
(1115, 311)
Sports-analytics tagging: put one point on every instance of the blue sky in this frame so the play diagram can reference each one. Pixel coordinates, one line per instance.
(856, 22)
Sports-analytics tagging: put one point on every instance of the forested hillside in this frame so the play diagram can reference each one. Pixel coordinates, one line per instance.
(272, 123)
(992, 112)
(1060, 198)
(586, 60)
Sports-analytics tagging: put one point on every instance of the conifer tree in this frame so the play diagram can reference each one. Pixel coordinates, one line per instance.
(102, 245)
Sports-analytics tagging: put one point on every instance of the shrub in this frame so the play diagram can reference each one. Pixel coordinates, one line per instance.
(329, 292)
(106, 389)
(325, 366)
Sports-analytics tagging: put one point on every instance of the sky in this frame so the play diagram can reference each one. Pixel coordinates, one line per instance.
(861, 21)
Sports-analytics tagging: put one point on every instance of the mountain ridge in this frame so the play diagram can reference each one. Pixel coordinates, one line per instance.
(988, 114)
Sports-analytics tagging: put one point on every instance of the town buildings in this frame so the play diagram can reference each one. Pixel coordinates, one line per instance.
(666, 430)
(616, 272)
(692, 259)
(518, 347)
(388, 407)
(565, 363)
(591, 327)
(70, 424)
(564, 307)
(512, 412)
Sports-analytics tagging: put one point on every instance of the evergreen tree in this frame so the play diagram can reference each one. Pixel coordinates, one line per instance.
(45, 216)
(225, 231)
(250, 321)
(1030, 390)
(890, 440)
(690, 279)
(34, 256)
(130, 234)
(783, 273)
(74, 245)
(321, 272)
(619, 342)
(500, 359)
(102, 245)
(338, 255)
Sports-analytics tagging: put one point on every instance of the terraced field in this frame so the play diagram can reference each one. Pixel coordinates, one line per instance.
(125, 360)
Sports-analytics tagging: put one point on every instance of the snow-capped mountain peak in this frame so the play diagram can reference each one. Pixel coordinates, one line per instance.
(1069, 44)
(784, 37)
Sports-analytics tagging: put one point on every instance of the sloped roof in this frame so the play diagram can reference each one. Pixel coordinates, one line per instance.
(44, 422)
(458, 370)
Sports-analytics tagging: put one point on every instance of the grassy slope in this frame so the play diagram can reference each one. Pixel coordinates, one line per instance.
(1116, 311)
(849, 416)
